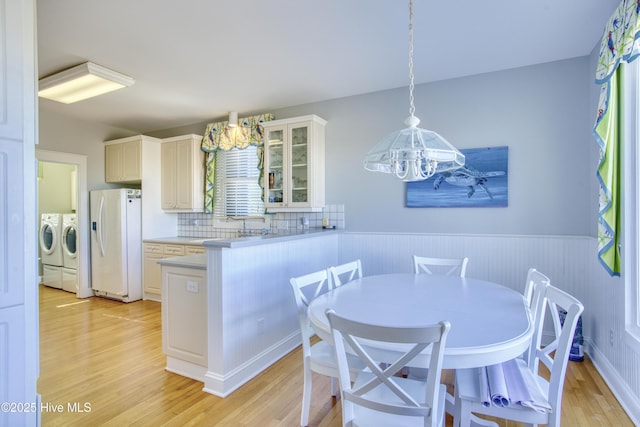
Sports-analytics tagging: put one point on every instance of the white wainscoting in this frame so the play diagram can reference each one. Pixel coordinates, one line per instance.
(500, 259)
(252, 317)
(570, 261)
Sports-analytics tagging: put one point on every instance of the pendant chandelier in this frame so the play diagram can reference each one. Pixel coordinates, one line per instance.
(413, 154)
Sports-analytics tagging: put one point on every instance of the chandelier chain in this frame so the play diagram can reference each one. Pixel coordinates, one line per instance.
(412, 108)
(413, 154)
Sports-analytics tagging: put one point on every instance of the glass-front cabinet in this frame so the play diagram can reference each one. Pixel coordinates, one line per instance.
(294, 164)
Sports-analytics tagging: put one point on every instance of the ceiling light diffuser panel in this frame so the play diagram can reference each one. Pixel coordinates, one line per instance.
(82, 82)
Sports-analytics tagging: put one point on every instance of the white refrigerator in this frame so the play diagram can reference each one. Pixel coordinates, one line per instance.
(116, 244)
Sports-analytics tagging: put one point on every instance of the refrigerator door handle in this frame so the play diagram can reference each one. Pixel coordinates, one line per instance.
(100, 222)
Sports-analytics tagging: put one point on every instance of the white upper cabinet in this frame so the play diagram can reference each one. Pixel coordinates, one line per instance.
(294, 164)
(123, 160)
(136, 161)
(182, 174)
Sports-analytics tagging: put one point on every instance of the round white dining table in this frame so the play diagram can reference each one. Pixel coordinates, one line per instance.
(490, 323)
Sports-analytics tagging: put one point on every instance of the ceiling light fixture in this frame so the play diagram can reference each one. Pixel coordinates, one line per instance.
(413, 154)
(81, 82)
(233, 119)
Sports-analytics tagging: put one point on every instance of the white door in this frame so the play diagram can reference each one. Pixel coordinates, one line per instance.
(18, 220)
(108, 230)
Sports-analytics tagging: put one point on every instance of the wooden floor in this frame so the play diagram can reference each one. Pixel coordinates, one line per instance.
(102, 365)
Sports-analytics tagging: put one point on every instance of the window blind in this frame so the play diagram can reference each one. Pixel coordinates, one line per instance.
(237, 192)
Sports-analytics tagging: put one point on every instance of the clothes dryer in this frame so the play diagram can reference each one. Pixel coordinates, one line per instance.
(69, 241)
(50, 239)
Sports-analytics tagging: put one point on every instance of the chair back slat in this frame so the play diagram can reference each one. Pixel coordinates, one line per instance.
(534, 278)
(444, 266)
(305, 288)
(343, 273)
(534, 295)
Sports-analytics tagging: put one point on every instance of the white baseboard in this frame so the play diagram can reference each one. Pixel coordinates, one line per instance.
(151, 297)
(618, 386)
(224, 384)
(186, 369)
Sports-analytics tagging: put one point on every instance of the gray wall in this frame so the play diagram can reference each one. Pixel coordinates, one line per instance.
(66, 135)
(543, 113)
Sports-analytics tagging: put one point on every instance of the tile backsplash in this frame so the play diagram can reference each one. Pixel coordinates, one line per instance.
(207, 226)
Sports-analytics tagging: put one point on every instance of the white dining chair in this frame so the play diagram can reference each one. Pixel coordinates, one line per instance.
(445, 266)
(534, 279)
(378, 397)
(344, 273)
(534, 296)
(545, 407)
(319, 357)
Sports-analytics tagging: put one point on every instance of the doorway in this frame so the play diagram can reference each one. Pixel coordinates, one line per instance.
(81, 206)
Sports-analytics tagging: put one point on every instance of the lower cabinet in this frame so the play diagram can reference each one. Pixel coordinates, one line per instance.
(151, 275)
(184, 314)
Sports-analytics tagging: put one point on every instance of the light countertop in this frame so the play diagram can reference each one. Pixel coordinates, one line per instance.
(199, 261)
(180, 240)
(239, 242)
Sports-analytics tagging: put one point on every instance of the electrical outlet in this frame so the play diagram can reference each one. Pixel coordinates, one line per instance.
(611, 337)
(192, 286)
(261, 326)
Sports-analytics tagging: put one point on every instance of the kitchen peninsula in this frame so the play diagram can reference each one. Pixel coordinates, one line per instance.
(228, 314)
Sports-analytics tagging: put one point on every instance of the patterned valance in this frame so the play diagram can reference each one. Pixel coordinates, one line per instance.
(219, 136)
(620, 39)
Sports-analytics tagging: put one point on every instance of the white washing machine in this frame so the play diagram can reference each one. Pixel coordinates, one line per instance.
(51, 239)
(69, 253)
(69, 241)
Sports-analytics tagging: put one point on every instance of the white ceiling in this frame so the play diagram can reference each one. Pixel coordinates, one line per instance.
(196, 60)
